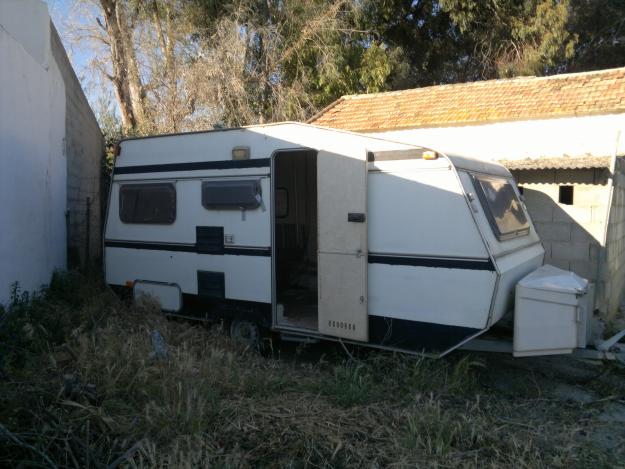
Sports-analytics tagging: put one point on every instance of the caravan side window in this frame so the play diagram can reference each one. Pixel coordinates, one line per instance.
(502, 207)
(231, 195)
(147, 203)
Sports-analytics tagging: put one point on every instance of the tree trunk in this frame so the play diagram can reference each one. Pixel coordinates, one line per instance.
(167, 41)
(135, 86)
(126, 79)
(118, 64)
(170, 64)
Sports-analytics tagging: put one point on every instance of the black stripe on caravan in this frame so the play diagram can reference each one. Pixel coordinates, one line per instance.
(195, 166)
(247, 251)
(231, 251)
(445, 263)
(416, 336)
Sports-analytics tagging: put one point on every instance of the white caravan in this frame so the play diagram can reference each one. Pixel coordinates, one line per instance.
(319, 233)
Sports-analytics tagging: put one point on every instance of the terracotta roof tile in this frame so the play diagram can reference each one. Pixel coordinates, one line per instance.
(522, 98)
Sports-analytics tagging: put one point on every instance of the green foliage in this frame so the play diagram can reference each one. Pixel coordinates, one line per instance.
(300, 55)
(423, 44)
(447, 41)
(351, 384)
(600, 28)
(243, 62)
(108, 120)
(522, 38)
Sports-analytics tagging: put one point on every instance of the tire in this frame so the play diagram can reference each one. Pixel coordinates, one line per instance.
(246, 333)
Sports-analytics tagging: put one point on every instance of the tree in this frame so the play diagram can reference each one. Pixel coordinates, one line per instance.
(426, 47)
(138, 45)
(275, 60)
(511, 37)
(447, 41)
(600, 26)
(193, 64)
(182, 65)
(125, 75)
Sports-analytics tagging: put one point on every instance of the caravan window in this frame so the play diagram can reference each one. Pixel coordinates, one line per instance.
(502, 207)
(147, 203)
(233, 195)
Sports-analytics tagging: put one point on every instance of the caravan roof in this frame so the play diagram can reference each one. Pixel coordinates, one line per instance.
(160, 144)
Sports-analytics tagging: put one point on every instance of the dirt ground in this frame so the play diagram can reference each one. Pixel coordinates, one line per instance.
(589, 394)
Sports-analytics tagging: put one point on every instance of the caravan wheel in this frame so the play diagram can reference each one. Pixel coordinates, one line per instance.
(245, 332)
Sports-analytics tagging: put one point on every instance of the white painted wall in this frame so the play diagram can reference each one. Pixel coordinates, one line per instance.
(32, 161)
(573, 136)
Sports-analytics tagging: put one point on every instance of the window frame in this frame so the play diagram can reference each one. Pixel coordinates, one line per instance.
(170, 186)
(486, 206)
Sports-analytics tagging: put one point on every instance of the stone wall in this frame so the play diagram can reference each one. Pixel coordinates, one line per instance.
(614, 265)
(573, 235)
(84, 146)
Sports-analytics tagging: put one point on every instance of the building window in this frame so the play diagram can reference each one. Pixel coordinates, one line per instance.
(231, 195)
(565, 195)
(147, 203)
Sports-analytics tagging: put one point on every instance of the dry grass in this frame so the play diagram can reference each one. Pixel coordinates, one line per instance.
(78, 389)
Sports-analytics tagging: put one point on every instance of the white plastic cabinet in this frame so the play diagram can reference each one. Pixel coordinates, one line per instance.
(551, 312)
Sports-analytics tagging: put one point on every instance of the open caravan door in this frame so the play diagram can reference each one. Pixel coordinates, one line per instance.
(342, 248)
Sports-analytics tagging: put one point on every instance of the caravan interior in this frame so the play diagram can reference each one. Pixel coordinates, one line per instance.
(295, 246)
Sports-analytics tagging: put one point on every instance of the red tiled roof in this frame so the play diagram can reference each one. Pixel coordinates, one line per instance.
(522, 98)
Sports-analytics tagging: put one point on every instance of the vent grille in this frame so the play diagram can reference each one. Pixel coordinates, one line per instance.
(344, 325)
(209, 239)
(211, 284)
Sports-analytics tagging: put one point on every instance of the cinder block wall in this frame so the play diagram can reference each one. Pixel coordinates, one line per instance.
(573, 235)
(614, 266)
(84, 147)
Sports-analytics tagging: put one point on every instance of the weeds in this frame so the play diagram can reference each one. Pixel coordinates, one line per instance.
(79, 388)
(350, 384)
(431, 430)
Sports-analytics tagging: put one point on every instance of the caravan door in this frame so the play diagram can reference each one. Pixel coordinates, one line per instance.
(342, 245)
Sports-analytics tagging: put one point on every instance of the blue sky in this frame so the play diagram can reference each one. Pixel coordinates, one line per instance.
(61, 11)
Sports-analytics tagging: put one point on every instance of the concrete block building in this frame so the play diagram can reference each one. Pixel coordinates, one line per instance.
(50, 154)
(562, 137)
